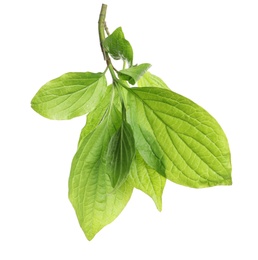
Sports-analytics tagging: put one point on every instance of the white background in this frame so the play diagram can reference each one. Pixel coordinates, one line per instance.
(205, 50)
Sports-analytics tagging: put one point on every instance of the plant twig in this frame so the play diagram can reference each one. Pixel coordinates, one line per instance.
(102, 28)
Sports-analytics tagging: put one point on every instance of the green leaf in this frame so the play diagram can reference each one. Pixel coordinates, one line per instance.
(195, 150)
(150, 80)
(95, 117)
(118, 47)
(95, 201)
(71, 95)
(134, 73)
(147, 145)
(121, 151)
(146, 179)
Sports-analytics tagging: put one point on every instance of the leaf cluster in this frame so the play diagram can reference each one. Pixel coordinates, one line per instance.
(138, 134)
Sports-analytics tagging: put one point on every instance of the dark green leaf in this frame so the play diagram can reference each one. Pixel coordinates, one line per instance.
(121, 151)
(118, 47)
(147, 145)
(133, 74)
(194, 148)
(71, 95)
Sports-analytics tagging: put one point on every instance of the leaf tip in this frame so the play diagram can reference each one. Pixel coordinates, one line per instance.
(159, 206)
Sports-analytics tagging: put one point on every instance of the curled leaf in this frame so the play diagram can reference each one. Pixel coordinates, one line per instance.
(118, 47)
(134, 73)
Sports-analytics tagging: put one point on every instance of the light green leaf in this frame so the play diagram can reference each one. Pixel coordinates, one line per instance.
(134, 73)
(71, 95)
(121, 151)
(150, 80)
(195, 150)
(146, 179)
(95, 201)
(95, 117)
(118, 47)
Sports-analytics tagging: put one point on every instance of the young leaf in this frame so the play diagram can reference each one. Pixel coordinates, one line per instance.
(194, 148)
(121, 151)
(118, 47)
(71, 95)
(150, 80)
(146, 179)
(90, 191)
(134, 73)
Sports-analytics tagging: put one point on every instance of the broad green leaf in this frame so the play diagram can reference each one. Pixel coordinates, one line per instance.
(118, 47)
(95, 201)
(71, 95)
(134, 73)
(150, 80)
(146, 179)
(121, 151)
(194, 148)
